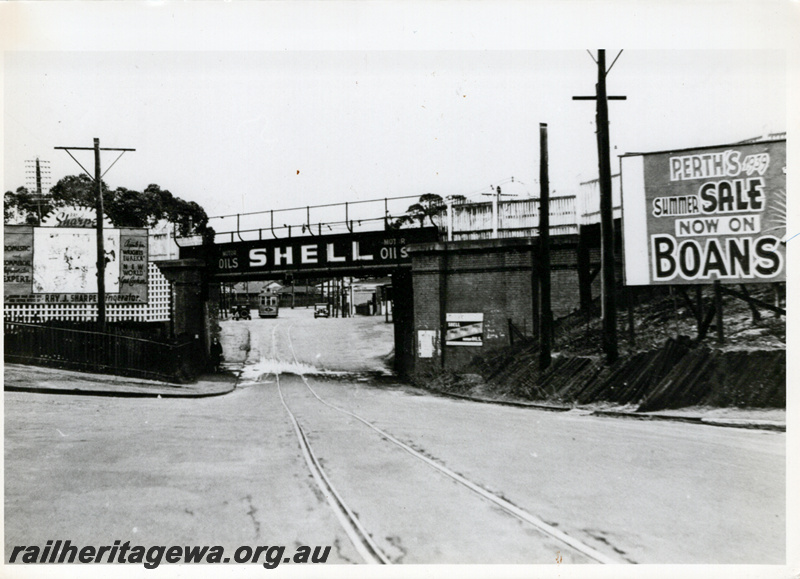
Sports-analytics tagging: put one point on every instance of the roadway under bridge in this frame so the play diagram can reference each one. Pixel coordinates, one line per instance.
(358, 254)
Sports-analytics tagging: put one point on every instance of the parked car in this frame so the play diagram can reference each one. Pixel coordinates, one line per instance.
(321, 311)
(240, 312)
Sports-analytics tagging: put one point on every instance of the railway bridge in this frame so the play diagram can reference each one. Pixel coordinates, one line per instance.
(454, 288)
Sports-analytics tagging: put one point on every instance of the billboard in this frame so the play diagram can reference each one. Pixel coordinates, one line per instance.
(464, 330)
(58, 265)
(699, 215)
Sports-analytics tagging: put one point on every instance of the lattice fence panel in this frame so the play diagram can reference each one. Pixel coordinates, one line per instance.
(156, 310)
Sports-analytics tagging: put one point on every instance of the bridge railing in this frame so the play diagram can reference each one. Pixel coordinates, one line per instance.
(309, 220)
(517, 218)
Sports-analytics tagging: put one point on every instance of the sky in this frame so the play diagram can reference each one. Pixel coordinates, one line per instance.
(258, 128)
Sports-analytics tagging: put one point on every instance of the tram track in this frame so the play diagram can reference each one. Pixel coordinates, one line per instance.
(366, 547)
(360, 537)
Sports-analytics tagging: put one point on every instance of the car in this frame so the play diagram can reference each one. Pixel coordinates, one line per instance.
(321, 311)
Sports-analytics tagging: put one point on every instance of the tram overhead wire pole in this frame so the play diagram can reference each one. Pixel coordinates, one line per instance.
(495, 195)
(546, 320)
(101, 255)
(606, 206)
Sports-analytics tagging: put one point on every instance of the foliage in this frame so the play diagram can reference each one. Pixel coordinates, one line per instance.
(21, 207)
(78, 190)
(124, 207)
(430, 206)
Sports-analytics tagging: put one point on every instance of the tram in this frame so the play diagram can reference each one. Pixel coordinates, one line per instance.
(267, 304)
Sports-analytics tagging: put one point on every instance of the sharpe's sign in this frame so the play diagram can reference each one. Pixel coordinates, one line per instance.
(701, 215)
(74, 216)
(350, 251)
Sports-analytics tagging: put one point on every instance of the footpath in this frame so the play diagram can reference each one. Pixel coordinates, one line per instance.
(753, 418)
(22, 378)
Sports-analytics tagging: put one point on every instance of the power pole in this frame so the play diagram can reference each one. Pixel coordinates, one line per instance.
(546, 334)
(101, 254)
(606, 208)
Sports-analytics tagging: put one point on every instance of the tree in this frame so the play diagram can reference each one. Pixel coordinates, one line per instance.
(430, 206)
(131, 208)
(124, 207)
(79, 190)
(21, 206)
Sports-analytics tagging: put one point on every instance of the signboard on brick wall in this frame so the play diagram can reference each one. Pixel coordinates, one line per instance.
(699, 215)
(464, 330)
(58, 265)
(426, 343)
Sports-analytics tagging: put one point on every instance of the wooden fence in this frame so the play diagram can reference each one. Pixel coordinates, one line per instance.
(98, 352)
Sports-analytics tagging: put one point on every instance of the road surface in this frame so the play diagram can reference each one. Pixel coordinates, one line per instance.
(318, 446)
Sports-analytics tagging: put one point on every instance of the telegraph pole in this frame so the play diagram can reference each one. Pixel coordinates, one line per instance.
(101, 254)
(606, 208)
(39, 188)
(39, 175)
(546, 320)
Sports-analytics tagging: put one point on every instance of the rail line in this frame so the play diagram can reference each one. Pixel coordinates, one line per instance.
(361, 537)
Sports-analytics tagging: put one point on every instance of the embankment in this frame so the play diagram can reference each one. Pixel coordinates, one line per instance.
(676, 375)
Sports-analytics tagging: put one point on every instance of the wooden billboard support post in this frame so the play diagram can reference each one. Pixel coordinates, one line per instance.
(718, 308)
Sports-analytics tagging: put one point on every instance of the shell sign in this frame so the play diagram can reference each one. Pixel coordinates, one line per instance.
(700, 215)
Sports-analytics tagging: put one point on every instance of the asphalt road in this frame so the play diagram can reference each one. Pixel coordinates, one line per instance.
(230, 470)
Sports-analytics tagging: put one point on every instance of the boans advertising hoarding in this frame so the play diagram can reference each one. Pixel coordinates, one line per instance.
(700, 215)
(58, 264)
